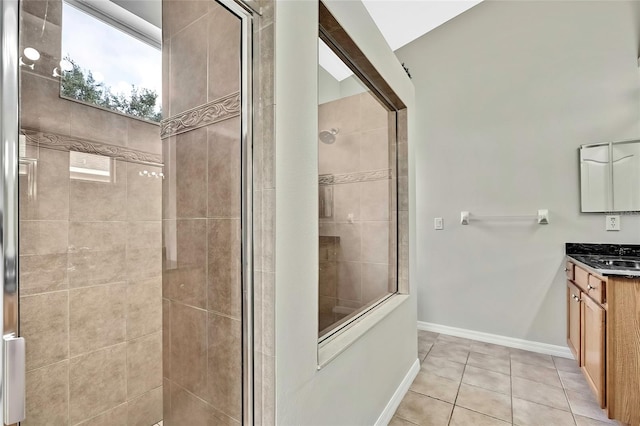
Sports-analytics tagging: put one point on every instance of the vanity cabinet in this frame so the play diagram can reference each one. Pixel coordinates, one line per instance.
(593, 347)
(603, 332)
(586, 325)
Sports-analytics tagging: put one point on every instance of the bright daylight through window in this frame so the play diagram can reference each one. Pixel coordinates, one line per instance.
(132, 85)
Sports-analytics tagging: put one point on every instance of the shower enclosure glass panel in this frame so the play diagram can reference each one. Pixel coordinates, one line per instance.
(133, 254)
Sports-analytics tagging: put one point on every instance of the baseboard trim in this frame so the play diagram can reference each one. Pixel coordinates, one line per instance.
(396, 399)
(529, 345)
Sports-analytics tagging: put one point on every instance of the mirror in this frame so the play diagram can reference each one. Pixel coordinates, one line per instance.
(610, 177)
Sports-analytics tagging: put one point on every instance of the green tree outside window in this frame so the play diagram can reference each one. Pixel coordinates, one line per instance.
(81, 85)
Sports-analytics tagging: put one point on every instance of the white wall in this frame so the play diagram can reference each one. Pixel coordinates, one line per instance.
(328, 87)
(505, 94)
(354, 388)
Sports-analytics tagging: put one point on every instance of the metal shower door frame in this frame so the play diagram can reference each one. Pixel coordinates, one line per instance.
(12, 355)
(246, 113)
(244, 11)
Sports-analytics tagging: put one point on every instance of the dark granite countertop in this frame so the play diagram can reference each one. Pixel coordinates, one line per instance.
(607, 259)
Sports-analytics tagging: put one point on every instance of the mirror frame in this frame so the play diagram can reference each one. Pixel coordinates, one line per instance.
(610, 181)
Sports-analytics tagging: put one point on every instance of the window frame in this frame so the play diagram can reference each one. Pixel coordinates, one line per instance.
(339, 338)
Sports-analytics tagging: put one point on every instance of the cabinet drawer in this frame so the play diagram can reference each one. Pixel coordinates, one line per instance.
(595, 288)
(581, 277)
(569, 270)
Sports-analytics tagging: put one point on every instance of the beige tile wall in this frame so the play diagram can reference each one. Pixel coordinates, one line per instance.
(56, 216)
(90, 265)
(202, 304)
(361, 272)
(264, 216)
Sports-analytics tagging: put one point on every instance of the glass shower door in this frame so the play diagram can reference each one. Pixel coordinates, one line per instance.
(133, 161)
(12, 353)
(90, 209)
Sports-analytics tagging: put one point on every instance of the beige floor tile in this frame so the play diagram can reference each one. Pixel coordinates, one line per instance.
(548, 376)
(486, 379)
(484, 401)
(398, 421)
(496, 351)
(584, 404)
(532, 358)
(423, 410)
(423, 349)
(574, 382)
(463, 417)
(539, 393)
(566, 364)
(527, 413)
(499, 385)
(444, 338)
(451, 351)
(434, 386)
(443, 367)
(427, 336)
(489, 362)
(586, 421)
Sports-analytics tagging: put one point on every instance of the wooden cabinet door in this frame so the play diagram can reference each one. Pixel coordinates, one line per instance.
(593, 361)
(573, 320)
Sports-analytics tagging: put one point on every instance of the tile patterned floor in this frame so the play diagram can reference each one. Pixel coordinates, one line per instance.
(158, 424)
(469, 383)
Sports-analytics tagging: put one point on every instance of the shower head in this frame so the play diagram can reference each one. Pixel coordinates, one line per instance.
(328, 136)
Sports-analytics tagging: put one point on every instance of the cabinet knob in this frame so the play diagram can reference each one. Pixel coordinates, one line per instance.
(576, 298)
(566, 269)
(590, 287)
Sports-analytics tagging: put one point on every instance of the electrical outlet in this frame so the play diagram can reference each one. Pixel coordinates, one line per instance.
(612, 222)
(438, 223)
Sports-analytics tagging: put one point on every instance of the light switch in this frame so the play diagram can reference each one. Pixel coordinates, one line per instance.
(438, 223)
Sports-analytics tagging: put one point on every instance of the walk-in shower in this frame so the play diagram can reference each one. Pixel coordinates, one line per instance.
(132, 148)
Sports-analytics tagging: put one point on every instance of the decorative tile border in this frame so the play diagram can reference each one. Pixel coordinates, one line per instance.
(70, 143)
(355, 177)
(213, 112)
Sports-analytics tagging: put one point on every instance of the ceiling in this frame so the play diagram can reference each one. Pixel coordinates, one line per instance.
(402, 21)
(399, 21)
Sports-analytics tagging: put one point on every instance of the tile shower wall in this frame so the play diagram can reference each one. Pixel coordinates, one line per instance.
(90, 264)
(354, 240)
(264, 215)
(201, 212)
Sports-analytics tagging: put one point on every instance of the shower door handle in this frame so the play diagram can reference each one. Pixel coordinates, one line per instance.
(12, 363)
(13, 379)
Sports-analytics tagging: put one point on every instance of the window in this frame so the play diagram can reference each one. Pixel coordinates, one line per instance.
(88, 73)
(91, 167)
(357, 189)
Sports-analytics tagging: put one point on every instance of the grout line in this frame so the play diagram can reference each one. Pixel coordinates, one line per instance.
(564, 391)
(68, 324)
(459, 386)
(511, 382)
